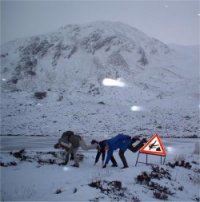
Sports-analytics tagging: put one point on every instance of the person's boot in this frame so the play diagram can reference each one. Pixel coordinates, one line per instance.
(75, 165)
(114, 165)
(123, 159)
(124, 167)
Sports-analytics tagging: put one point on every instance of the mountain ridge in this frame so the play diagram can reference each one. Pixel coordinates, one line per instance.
(77, 58)
(65, 44)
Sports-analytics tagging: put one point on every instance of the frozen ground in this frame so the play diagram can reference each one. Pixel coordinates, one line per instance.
(46, 180)
(35, 125)
(22, 114)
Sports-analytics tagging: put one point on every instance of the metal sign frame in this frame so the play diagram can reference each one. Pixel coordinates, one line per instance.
(148, 152)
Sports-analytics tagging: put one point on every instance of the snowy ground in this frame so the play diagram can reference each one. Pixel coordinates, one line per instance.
(45, 180)
(96, 116)
(35, 125)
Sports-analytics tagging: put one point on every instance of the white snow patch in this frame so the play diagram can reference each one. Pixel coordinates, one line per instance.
(114, 82)
(137, 108)
(170, 149)
(66, 168)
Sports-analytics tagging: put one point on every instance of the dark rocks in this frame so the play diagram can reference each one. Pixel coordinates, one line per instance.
(20, 154)
(41, 158)
(58, 191)
(156, 173)
(114, 190)
(159, 192)
(12, 163)
(40, 95)
(182, 163)
(160, 195)
(143, 178)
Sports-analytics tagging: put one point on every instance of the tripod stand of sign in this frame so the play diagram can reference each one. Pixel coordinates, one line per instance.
(153, 147)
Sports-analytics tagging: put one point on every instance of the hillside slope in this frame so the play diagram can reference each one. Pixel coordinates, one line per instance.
(73, 68)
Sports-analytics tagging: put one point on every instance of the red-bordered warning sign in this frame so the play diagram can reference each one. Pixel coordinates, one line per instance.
(154, 146)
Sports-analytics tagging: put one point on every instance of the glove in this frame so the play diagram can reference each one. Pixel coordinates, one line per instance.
(67, 146)
(104, 166)
(57, 146)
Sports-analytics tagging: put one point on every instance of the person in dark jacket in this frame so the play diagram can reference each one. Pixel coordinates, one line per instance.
(71, 143)
(121, 142)
(102, 152)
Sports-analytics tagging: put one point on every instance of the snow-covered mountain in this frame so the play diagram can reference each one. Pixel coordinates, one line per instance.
(80, 57)
(88, 53)
(75, 64)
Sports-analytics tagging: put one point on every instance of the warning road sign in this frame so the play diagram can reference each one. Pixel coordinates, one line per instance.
(154, 146)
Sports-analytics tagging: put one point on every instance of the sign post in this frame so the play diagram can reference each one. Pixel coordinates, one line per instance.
(153, 147)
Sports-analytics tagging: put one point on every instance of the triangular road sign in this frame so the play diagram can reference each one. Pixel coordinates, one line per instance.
(154, 146)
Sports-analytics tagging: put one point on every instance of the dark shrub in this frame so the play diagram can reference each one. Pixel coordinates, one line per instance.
(32, 73)
(40, 95)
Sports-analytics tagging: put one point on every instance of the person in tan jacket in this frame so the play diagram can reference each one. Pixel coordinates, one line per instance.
(71, 143)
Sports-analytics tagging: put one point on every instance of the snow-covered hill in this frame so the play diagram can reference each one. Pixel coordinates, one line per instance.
(85, 54)
(65, 78)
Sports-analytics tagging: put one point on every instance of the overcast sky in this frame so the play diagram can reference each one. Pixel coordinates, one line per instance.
(169, 21)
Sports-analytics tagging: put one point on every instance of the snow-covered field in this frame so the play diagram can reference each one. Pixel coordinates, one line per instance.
(36, 178)
(24, 115)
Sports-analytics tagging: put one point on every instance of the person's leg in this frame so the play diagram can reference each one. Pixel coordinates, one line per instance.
(66, 158)
(72, 156)
(87, 147)
(138, 146)
(123, 159)
(114, 162)
(76, 159)
(133, 149)
(68, 151)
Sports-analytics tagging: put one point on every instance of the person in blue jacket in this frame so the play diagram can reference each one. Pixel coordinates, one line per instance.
(101, 151)
(121, 142)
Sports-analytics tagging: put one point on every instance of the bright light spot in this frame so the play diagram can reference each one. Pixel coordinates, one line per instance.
(136, 108)
(198, 14)
(166, 6)
(113, 82)
(199, 106)
(3, 79)
(39, 104)
(170, 149)
(66, 168)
